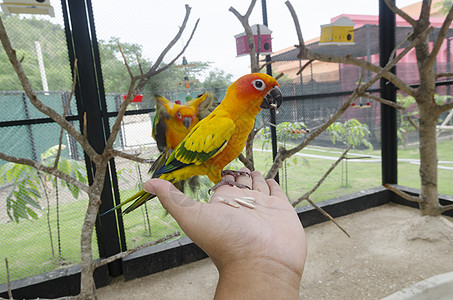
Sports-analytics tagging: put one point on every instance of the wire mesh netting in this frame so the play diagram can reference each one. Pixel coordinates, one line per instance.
(41, 216)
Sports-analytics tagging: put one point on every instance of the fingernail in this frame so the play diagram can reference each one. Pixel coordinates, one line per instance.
(148, 187)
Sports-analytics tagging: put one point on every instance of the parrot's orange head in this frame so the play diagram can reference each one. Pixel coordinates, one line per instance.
(185, 116)
(257, 90)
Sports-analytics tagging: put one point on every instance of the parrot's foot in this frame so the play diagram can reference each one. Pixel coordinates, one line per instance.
(224, 181)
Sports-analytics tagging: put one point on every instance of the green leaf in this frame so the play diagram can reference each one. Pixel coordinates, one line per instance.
(32, 213)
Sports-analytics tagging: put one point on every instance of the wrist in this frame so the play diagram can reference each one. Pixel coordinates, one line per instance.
(259, 278)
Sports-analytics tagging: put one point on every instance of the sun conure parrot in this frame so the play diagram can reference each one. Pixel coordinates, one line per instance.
(174, 121)
(219, 138)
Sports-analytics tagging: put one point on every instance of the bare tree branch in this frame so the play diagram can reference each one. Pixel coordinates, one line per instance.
(440, 37)
(412, 122)
(244, 19)
(11, 53)
(401, 13)
(322, 211)
(446, 106)
(154, 70)
(441, 75)
(132, 157)
(125, 61)
(304, 66)
(446, 208)
(383, 101)
(49, 170)
(402, 194)
(334, 165)
(97, 264)
(306, 54)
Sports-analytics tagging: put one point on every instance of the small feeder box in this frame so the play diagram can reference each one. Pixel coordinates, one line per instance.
(38, 7)
(242, 47)
(340, 32)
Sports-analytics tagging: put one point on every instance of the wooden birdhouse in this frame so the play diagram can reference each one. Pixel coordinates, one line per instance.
(265, 48)
(340, 32)
(40, 7)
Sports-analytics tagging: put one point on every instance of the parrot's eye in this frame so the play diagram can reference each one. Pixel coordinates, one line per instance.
(179, 115)
(259, 85)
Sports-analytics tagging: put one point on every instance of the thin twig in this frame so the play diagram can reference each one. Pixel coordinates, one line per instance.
(279, 76)
(383, 101)
(139, 64)
(403, 194)
(97, 264)
(46, 169)
(125, 61)
(412, 122)
(304, 66)
(440, 37)
(8, 280)
(401, 13)
(133, 157)
(322, 211)
(307, 194)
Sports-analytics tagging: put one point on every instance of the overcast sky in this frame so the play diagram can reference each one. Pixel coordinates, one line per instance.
(153, 23)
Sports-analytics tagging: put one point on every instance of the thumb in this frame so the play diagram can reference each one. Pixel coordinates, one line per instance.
(171, 198)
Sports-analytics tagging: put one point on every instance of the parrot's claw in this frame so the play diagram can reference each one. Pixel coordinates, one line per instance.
(224, 181)
(236, 174)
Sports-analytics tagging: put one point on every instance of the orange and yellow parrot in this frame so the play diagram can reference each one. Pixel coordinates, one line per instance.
(173, 121)
(219, 138)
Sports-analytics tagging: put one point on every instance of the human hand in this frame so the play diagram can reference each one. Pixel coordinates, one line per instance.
(254, 249)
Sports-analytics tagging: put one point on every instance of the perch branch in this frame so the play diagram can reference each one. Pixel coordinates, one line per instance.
(401, 13)
(322, 211)
(97, 264)
(8, 280)
(11, 53)
(334, 165)
(440, 37)
(49, 170)
(403, 194)
(446, 106)
(383, 101)
(306, 54)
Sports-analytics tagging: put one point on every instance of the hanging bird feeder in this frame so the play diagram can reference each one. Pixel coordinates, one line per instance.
(340, 32)
(39, 7)
(242, 47)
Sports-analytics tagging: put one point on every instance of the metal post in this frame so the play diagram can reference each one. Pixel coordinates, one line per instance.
(272, 111)
(90, 97)
(389, 142)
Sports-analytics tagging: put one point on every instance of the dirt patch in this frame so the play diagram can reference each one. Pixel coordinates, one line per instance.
(391, 247)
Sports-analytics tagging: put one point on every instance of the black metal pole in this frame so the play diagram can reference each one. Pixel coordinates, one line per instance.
(389, 142)
(272, 111)
(89, 102)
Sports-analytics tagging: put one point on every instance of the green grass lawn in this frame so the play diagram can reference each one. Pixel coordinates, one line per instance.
(27, 246)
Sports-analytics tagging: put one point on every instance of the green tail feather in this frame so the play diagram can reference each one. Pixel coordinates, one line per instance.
(138, 198)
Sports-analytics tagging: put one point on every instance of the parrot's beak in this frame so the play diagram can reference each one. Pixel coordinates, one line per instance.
(186, 122)
(273, 99)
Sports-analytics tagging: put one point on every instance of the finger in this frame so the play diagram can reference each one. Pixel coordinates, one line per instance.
(245, 179)
(171, 198)
(275, 189)
(259, 184)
